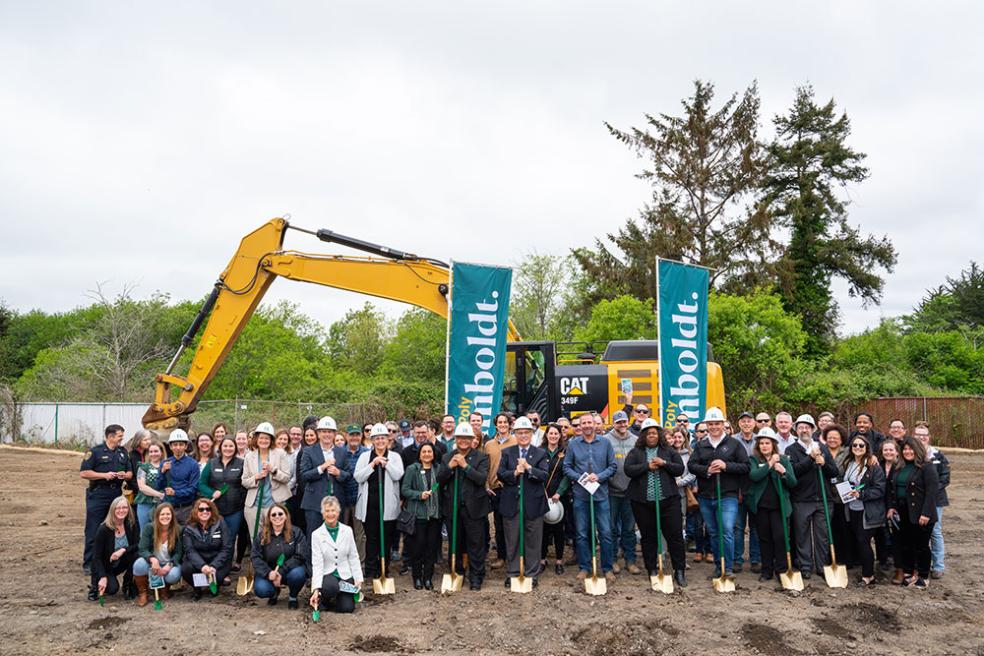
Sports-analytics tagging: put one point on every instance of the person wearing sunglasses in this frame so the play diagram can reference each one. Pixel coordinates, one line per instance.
(207, 546)
(763, 420)
(279, 556)
(865, 507)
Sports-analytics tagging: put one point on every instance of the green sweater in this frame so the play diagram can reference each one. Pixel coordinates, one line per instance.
(412, 487)
(760, 474)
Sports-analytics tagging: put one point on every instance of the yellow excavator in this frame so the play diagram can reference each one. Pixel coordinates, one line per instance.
(533, 381)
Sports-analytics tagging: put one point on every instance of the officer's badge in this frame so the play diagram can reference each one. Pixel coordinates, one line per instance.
(88, 454)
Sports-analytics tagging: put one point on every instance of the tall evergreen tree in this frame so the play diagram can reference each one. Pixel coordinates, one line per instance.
(704, 167)
(809, 161)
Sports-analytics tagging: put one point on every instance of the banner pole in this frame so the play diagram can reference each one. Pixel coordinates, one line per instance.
(659, 352)
(447, 346)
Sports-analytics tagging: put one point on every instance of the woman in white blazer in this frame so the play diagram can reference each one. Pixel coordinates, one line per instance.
(334, 558)
(269, 466)
(375, 465)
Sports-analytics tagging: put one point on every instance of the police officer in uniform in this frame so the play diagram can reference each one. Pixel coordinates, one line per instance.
(106, 466)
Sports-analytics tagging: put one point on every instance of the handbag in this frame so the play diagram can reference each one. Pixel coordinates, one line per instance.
(406, 522)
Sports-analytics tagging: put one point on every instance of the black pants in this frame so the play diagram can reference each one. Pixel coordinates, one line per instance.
(671, 521)
(188, 572)
(372, 566)
(844, 536)
(97, 502)
(553, 534)
(885, 546)
(425, 547)
(473, 541)
(862, 543)
(500, 532)
(913, 542)
(122, 566)
(332, 598)
(772, 542)
(243, 541)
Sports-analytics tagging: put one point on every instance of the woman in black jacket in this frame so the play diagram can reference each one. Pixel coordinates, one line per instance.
(558, 489)
(207, 545)
(279, 556)
(652, 467)
(912, 492)
(222, 482)
(866, 510)
(113, 551)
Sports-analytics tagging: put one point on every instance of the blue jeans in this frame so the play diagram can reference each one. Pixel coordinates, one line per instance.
(697, 533)
(233, 521)
(142, 568)
(745, 517)
(729, 512)
(603, 524)
(145, 513)
(623, 527)
(294, 580)
(936, 542)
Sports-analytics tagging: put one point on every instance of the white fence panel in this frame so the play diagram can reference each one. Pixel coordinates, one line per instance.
(76, 422)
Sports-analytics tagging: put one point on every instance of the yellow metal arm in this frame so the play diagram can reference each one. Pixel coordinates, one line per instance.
(243, 283)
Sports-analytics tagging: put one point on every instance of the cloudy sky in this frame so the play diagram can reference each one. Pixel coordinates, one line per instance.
(141, 140)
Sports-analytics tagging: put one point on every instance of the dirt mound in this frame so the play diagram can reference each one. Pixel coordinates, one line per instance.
(379, 645)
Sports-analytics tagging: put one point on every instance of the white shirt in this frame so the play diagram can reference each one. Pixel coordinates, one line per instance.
(785, 442)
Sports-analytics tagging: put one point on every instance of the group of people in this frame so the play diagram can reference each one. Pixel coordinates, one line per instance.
(330, 509)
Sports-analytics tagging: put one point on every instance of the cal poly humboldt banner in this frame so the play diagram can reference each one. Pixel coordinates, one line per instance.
(478, 324)
(682, 312)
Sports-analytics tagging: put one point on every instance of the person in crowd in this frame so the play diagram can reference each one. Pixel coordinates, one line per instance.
(181, 476)
(159, 552)
(809, 521)
(365, 441)
(309, 438)
(114, 549)
(886, 538)
(150, 483)
(683, 422)
(913, 490)
(296, 438)
(652, 467)
(623, 520)
(866, 509)
(334, 558)
(719, 460)
(523, 463)
(746, 436)
(106, 466)
(420, 490)
(219, 431)
(279, 558)
(538, 429)
(864, 425)
(405, 438)
(937, 458)
(206, 547)
(493, 449)
(446, 438)
(222, 482)
(689, 506)
(269, 466)
(784, 430)
(557, 489)
(324, 472)
(203, 450)
(565, 427)
(354, 448)
(833, 436)
(242, 444)
(282, 441)
(467, 469)
(136, 449)
(896, 430)
(477, 421)
(771, 477)
(589, 454)
(373, 465)
(824, 419)
(421, 436)
(763, 420)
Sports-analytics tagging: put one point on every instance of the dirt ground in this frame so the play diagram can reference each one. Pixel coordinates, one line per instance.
(44, 610)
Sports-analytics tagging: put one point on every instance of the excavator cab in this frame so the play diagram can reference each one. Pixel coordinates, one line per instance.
(529, 379)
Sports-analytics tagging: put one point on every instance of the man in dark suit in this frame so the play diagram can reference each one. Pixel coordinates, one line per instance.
(411, 454)
(524, 463)
(469, 468)
(324, 470)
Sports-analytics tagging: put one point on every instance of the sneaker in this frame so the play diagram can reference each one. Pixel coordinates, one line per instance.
(936, 574)
(633, 568)
(920, 584)
(610, 577)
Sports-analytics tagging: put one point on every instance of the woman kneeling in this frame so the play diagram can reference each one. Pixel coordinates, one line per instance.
(159, 551)
(334, 558)
(207, 547)
(278, 557)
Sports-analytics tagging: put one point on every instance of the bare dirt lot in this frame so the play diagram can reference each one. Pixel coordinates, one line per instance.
(44, 610)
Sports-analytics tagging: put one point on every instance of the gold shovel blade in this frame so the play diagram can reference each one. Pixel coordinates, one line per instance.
(835, 575)
(451, 583)
(595, 585)
(723, 584)
(661, 582)
(384, 586)
(244, 584)
(521, 584)
(791, 580)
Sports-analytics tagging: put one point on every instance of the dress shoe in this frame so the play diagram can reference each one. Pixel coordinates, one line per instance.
(559, 568)
(93, 593)
(756, 568)
(418, 583)
(806, 574)
(272, 601)
(475, 585)
(698, 557)
(680, 578)
(508, 583)
(196, 594)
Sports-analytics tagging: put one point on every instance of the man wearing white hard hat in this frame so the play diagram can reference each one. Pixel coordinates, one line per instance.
(470, 468)
(181, 476)
(324, 470)
(266, 476)
(809, 523)
(523, 462)
(719, 459)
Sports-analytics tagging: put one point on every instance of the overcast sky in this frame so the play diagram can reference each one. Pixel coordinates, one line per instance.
(141, 140)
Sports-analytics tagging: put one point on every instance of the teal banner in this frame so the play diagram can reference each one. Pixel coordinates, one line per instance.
(682, 312)
(478, 325)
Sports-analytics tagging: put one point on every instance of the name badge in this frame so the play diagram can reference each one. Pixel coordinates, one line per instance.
(216, 536)
(218, 471)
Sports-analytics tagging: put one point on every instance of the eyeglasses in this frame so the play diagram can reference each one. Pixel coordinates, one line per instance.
(204, 509)
(393, 432)
(763, 421)
(683, 421)
(701, 430)
(366, 430)
(642, 412)
(857, 445)
(277, 514)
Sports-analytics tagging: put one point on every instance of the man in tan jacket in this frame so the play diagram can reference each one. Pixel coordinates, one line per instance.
(493, 449)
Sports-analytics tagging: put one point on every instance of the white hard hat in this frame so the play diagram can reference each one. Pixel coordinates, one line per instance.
(647, 424)
(326, 423)
(178, 435)
(806, 419)
(377, 429)
(555, 512)
(714, 414)
(463, 430)
(766, 432)
(265, 427)
(523, 423)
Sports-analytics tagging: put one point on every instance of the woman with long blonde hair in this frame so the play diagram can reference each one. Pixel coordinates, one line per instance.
(114, 550)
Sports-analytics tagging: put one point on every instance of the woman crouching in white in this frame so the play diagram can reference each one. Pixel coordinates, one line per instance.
(334, 558)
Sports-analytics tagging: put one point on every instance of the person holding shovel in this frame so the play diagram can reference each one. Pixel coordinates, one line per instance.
(378, 472)
(523, 465)
(420, 491)
(771, 479)
(652, 467)
(324, 471)
(268, 468)
(465, 470)
(207, 547)
(279, 558)
(159, 552)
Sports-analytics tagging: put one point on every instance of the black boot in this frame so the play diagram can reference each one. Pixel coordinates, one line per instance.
(428, 583)
(93, 593)
(129, 587)
(680, 578)
(418, 583)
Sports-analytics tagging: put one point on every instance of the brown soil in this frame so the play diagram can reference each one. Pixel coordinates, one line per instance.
(44, 610)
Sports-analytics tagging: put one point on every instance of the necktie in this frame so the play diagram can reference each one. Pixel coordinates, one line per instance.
(522, 454)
